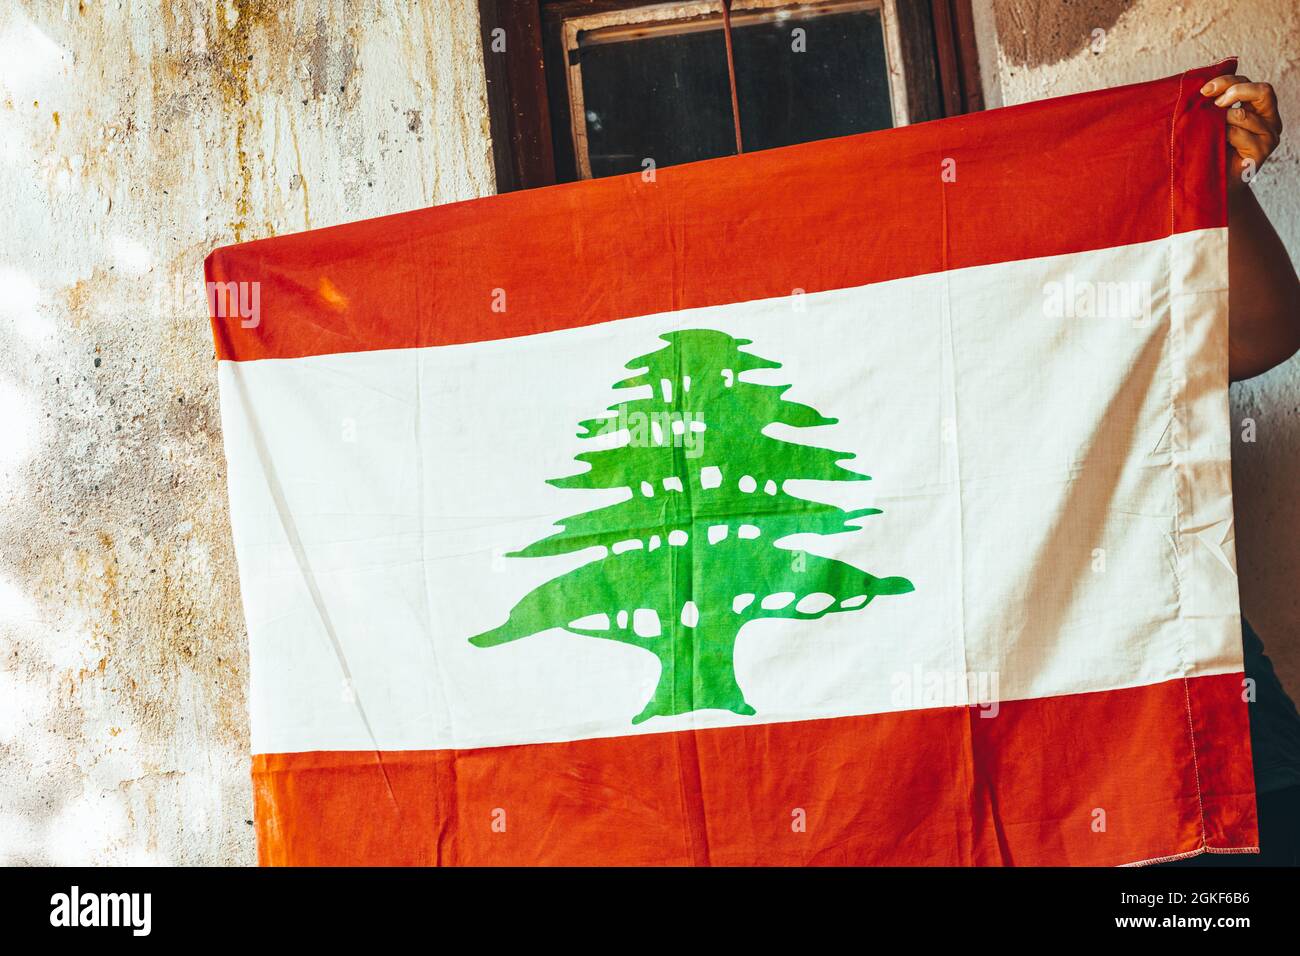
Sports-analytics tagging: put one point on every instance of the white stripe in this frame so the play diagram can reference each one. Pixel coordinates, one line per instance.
(408, 475)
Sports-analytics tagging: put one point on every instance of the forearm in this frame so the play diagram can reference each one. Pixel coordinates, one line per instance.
(1264, 293)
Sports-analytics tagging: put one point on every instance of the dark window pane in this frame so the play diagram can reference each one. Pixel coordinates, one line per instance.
(664, 94)
(663, 97)
(837, 86)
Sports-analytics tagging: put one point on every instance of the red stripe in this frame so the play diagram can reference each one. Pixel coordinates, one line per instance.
(1058, 176)
(933, 787)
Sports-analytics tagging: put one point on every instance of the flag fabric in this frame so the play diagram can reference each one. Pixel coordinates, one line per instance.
(859, 502)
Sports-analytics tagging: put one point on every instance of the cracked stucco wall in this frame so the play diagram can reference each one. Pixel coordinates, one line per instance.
(134, 138)
(1030, 49)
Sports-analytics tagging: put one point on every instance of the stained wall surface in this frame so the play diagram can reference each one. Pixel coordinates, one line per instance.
(134, 138)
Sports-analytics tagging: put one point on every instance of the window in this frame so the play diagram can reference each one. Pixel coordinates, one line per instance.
(583, 88)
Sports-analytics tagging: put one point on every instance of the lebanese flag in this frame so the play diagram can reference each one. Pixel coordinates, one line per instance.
(557, 543)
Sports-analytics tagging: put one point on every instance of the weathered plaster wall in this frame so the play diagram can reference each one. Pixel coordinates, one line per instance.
(135, 137)
(1030, 49)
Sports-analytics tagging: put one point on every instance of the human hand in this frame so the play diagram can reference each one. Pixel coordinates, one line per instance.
(1254, 125)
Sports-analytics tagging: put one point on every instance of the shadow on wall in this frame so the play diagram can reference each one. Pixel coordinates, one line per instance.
(1032, 33)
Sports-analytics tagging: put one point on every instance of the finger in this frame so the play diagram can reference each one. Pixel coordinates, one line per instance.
(1249, 145)
(1258, 96)
(1221, 83)
(1249, 120)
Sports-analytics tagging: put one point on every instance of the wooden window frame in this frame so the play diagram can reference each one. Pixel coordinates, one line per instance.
(934, 39)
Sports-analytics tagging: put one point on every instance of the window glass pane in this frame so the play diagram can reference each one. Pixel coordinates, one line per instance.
(838, 85)
(660, 90)
(665, 97)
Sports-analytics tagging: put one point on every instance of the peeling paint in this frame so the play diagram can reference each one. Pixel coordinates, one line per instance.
(232, 53)
(151, 138)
